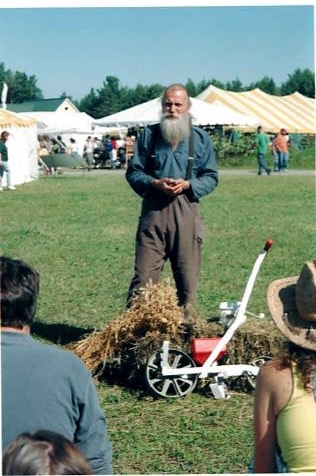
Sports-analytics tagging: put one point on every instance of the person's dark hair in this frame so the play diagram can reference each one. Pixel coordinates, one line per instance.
(304, 359)
(19, 291)
(4, 135)
(44, 452)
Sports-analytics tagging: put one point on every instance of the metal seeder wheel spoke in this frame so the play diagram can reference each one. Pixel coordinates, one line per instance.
(171, 387)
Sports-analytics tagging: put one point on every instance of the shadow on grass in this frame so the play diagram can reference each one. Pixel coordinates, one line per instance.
(61, 334)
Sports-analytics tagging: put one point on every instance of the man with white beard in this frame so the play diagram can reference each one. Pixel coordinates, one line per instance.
(173, 166)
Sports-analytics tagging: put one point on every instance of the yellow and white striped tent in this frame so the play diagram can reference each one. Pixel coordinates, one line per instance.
(10, 119)
(22, 147)
(295, 112)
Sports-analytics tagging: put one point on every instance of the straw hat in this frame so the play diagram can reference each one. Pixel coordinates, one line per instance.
(292, 304)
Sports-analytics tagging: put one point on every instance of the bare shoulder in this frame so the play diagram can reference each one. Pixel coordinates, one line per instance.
(273, 369)
(277, 381)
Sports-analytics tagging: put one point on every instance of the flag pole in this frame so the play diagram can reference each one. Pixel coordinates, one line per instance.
(4, 95)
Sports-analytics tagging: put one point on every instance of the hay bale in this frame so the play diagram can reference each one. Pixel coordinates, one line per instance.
(137, 333)
(123, 347)
(253, 340)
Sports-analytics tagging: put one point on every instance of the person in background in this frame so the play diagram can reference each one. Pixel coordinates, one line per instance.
(56, 147)
(129, 148)
(108, 147)
(274, 154)
(62, 144)
(88, 152)
(173, 166)
(262, 143)
(45, 146)
(114, 145)
(287, 155)
(43, 386)
(281, 144)
(285, 394)
(44, 452)
(95, 144)
(4, 158)
(73, 148)
(121, 155)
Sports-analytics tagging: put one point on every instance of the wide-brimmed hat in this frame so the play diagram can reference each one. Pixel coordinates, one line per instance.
(292, 304)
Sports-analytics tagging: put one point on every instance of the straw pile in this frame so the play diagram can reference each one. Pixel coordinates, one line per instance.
(254, 339)
(136, 334)
(122, 348)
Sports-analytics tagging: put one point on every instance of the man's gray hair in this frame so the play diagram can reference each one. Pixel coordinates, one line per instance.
(176, 86)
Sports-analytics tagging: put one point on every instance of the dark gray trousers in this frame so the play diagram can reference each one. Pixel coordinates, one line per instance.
(172, 231)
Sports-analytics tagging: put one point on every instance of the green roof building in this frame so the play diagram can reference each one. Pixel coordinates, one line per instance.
(44, 105)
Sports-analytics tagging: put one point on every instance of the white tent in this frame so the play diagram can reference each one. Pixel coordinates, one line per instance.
(67, 124)
(22, 147)
(294, 112)
(202, 113)
(59, 122)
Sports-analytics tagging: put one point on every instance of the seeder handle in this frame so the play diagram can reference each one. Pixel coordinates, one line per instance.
(268, 245)
(240, 316)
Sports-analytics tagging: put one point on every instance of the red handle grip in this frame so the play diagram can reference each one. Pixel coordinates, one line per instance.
(268, 245)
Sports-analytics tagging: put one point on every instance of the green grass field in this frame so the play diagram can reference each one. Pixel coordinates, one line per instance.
(78, 231)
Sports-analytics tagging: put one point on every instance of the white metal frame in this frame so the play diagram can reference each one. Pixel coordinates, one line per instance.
(210, 366)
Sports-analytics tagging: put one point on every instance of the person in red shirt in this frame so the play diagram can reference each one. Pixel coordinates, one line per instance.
(281, 145)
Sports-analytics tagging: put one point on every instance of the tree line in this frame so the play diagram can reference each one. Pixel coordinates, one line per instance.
(112, 97)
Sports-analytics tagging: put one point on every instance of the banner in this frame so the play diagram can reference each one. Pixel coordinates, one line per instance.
(4, 95)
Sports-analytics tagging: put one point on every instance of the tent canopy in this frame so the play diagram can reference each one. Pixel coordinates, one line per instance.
(295, 112)
(53, 122)
(22, 146)
(10, 119)
(202, 113)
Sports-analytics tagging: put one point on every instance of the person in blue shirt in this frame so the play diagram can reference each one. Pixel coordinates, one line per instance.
(173, 166)
(44, 387)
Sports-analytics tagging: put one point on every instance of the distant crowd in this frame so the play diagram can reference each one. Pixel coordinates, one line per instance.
(106, 152)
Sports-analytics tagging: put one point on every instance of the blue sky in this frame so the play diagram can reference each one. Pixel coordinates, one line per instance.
(73, 49)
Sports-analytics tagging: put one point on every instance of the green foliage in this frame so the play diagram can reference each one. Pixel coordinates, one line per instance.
(234, 85)
(90, 104)
(302, 81)
(227, 148)
(64, 95)
(20, 87)
(266, 85)
(112, 97)
(238, 149)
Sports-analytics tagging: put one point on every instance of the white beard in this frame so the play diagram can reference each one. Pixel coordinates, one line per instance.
(176, 129)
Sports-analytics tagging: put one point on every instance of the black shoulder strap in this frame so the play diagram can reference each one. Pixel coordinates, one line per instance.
(154, 135)
(191, 156)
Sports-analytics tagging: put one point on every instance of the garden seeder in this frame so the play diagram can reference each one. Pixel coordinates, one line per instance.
(172, 373)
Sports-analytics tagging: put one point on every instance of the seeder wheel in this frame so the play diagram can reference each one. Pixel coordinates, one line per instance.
(257, 362)
(175, 386)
